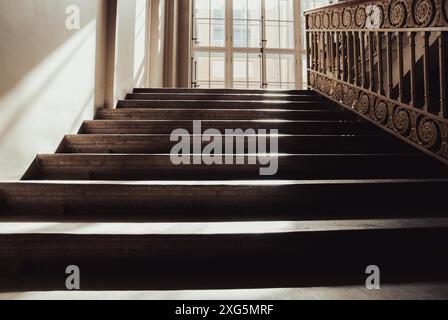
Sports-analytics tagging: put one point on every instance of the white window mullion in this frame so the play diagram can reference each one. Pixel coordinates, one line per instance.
(229, 44)
(263, 44)
(298, 43)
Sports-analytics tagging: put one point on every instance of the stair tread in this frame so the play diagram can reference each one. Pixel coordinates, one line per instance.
(215, 200)
(232, 91)
(246, 104)
(221, 114)
(223, 261)
(224, 96)
(283, 126)
(258, 183)
(406, 291)
(226, 104)
(159, 166)
(217, 228)
(287, 143)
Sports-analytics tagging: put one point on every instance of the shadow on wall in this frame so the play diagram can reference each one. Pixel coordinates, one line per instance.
(48, 85)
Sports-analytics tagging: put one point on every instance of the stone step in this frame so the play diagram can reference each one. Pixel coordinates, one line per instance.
(222, 114)
(225, 96)
(261, 200)
(430, 290)
(132, 257)
(283, 127)
(160, 167)
(223, 91)
(225, 104)
(309, 144)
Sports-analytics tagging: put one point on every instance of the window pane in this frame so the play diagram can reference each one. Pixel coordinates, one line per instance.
(286, 10)
(240, 85)
(254, 66)
(254, 85)
(217, 85)
(239, 9)
(218, 33)
(240, 33)
(217, 68)
(272, 10)
(272, 68)
(254, 9)
(218, 9)
(202, 84)
(246, 69)
(287, 35)
(239, 67)
(254, 39)
(274, 86)
(287, 68)
(237, 34)
(203, 32)
(202, 66)
(202, 8)
(272, 35)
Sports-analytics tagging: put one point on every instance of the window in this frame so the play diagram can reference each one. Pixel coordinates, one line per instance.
(262, 51)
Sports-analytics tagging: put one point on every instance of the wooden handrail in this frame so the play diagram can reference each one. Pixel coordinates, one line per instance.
(385, 60)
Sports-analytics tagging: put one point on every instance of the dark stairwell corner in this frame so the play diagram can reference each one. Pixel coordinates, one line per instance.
(347, 195)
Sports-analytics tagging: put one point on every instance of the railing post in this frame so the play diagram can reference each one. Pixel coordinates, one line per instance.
(331, 51)
(413, 75)
(324, 51)
(316, 50)
(344, 62)
(338, 55)
(308, 52)
(363, 59)
(356, 55)
(315, 44)
(350, 56)
(400, 66)
(426, 71)
(371, 62)
(321, 63)
(379, 47)
(442, 74)
(390, 79)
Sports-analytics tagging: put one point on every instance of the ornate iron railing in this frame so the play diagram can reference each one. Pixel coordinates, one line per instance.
(385, 60)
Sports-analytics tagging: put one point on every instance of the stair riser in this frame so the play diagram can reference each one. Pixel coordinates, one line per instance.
(116, 167)
(166, 127)
(202, 104)
(237, 114)
(38, 262)
(223, 97)
(103, 202)
(223, 91)
(286, 144)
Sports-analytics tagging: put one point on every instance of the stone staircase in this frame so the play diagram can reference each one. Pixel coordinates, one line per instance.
(110, 201)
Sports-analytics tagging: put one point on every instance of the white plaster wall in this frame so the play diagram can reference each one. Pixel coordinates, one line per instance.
(47, 79)
(131, 46)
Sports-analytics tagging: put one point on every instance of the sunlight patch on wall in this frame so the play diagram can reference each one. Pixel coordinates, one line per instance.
(49, 102)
